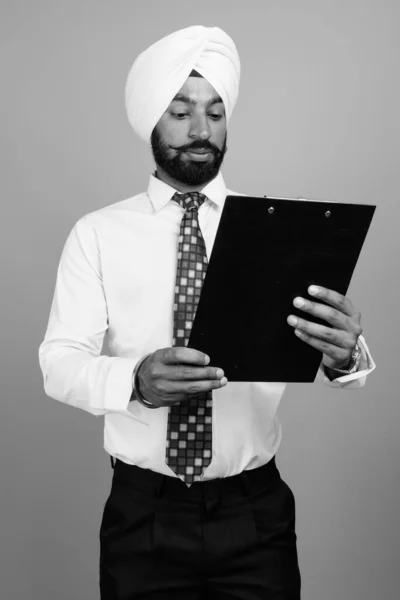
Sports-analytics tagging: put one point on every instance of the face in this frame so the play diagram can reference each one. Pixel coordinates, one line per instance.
(189, 141)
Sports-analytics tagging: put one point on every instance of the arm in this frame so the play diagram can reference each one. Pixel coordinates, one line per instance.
(73, 370)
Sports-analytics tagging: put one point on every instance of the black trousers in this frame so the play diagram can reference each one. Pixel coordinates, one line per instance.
(223, 539)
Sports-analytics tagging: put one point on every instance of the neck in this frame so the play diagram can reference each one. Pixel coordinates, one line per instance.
(178, 185)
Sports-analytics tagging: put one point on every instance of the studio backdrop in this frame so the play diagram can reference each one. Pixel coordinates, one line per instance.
(317, 117)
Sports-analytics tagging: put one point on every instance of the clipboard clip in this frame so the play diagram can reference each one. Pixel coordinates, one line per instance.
(271, 209)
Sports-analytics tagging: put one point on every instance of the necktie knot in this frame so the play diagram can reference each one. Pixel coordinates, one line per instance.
(189, 201)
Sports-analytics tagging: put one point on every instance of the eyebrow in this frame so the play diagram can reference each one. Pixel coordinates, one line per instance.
(183, 98)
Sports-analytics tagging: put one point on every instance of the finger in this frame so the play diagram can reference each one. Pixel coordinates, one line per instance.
(193, 387)
(336, 337)
(327, 313)
(183, 355)
(185, 373)
(334, 352)
(338, 301)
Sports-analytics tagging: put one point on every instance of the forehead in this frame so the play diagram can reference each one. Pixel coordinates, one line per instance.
(198, 90)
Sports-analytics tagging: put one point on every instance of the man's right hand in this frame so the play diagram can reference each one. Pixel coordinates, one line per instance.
(169, 375)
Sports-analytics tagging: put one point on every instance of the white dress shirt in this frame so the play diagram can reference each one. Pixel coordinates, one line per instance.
(117, 276)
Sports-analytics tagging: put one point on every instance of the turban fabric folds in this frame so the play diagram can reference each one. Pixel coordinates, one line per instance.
(159, 72)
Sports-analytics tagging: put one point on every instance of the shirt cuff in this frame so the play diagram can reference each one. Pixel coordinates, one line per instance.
(353, 380)
(119, 388)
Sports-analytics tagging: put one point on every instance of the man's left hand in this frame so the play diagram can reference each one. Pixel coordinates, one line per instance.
(336, 342)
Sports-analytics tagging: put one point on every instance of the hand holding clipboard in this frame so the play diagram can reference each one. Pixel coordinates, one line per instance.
(338, 338)
(267, 252)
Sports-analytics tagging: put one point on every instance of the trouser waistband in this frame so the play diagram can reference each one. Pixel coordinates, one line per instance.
(161, 484)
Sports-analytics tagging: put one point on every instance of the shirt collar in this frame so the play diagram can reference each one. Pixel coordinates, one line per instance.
(160, 193)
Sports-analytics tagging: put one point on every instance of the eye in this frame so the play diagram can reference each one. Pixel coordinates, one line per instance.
(215, 116)
(179, 115)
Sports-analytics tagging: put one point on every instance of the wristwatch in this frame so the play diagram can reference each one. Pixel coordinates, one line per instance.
(353, 363)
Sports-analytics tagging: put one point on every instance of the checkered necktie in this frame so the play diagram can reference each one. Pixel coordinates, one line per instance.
(189, 434)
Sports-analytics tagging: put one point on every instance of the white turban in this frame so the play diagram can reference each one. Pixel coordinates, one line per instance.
(159, 72)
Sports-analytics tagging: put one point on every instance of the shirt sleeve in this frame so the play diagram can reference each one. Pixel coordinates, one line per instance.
(73, 370)
(354, 380)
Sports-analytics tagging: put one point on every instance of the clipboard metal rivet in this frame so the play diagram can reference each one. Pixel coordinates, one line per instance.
(271, 210)
(328, 213)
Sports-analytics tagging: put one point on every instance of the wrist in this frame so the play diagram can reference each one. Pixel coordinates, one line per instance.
(349, 368)
(136, 392)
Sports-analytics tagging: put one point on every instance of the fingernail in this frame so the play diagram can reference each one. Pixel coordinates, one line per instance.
(299, 302)
(313, 290)
(206, 359)
(220, 373)
(223, 381)
(292, 320)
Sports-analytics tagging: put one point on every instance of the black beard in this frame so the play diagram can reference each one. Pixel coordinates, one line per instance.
(187, 172)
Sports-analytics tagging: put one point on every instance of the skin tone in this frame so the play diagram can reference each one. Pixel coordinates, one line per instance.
(197, 114)
(168, 375)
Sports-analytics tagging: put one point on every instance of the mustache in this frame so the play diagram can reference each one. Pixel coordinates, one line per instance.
(198, 145)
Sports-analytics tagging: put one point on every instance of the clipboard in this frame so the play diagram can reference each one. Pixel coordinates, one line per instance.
(266, 252)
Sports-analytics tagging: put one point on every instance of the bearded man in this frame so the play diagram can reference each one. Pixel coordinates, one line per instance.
(197, 507)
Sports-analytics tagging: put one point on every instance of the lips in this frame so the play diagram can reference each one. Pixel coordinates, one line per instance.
(199, 156)
(199, 151)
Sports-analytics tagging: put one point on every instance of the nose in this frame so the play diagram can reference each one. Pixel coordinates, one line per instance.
(200, 128)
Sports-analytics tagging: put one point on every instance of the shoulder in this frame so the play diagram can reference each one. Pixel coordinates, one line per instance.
(139, 203)
(116, 211)
(109, 220)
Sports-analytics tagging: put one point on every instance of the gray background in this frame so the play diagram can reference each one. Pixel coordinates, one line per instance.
(317, 117)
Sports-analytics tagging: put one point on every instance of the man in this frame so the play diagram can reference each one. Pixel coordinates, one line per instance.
(197, 507)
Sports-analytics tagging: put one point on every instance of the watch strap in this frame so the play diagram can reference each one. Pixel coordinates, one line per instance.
(353, 363)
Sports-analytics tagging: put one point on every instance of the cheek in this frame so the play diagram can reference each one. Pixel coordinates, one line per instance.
(219, 130)
(173, 132)
(219, 136)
